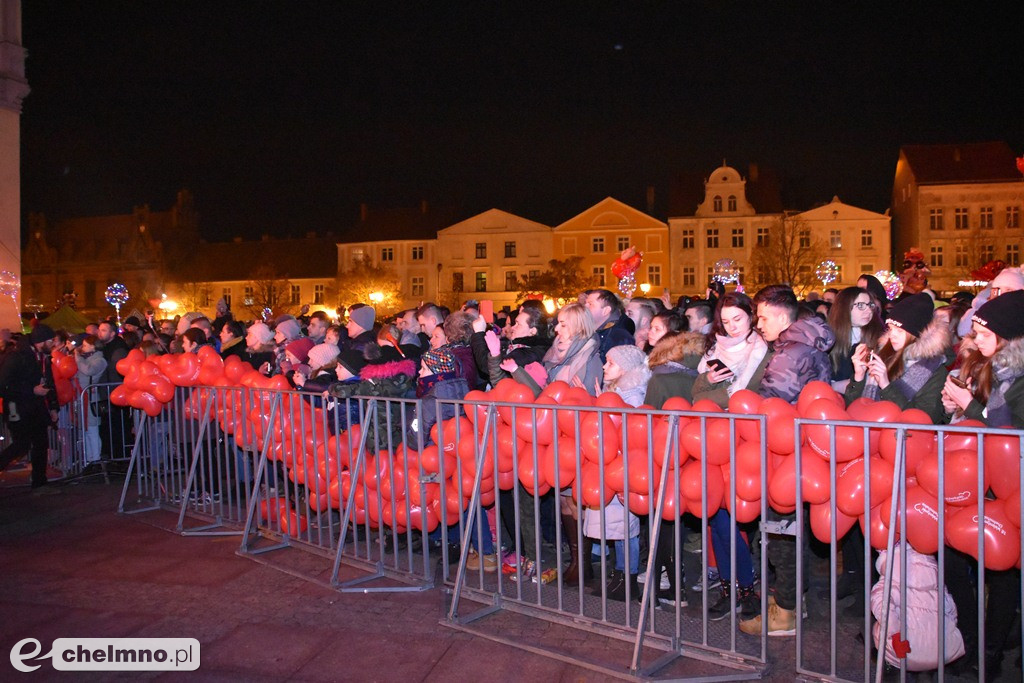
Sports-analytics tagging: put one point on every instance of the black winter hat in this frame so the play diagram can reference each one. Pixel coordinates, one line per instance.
(41, 333)
(912, 313)
(1002, 315)
(352, 360)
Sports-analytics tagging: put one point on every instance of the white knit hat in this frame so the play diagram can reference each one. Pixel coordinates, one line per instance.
(322, 354)
(627, 357)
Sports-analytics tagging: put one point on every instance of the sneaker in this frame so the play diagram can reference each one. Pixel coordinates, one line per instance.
(664, 584)
(803, 603)
(723, 606)
(667, 598)
(713, 580)
(490, 562)
(781, 622)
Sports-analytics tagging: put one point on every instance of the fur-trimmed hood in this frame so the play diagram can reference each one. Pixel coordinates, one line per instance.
(685, 348)
(386, 370)
(1011, 356)
(936, 340)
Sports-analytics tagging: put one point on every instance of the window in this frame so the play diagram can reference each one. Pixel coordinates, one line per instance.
(835, 239)
(318, 294)
(597, 245)
(985, 217)
(481, 249)
(804, 237)
(1013, 254)
(417, 285)
(458, 282)
(481, 281)
(599, 276)
(224, 294)
(712, 238)
(732, 202)
(935, 219)
(688, 239)
(867, 268)
(839, 272)
(988, 252)
(417, 253)
(934, 257)
(737, 238)
(718, 203)
(866, 239)
(296, 296)
(357, 255)
(654, 275)
(247, 297)
(511, 281)
(387, 254)
(534, 274)
(510, 249)
(960, 257)
(689, 276)
(804, 271)
(1013, 216)
(621, 243)
(960, 218)
(206, 297)
(762, 237)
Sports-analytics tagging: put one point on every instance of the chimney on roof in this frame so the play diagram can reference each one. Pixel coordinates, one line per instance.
(752, 172)
(956, 155)
(364, 210)
(650, 199)
(424, 207)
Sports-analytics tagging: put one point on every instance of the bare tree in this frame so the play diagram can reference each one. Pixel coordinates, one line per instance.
(562, 281)
(371, 284)
(790, 255)
(194, 296)
(268, 289)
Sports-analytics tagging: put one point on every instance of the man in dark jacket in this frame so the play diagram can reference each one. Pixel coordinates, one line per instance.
(360, 328)
(614, 328)
(798, 354)
(30, 403)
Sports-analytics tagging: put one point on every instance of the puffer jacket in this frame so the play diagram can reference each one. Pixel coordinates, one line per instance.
(447, 389)
(386, 380)
(922, 612)
(1009, 359)
(673, 363)
(798, 356)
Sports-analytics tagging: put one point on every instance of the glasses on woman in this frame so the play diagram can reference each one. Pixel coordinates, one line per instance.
(863, 305)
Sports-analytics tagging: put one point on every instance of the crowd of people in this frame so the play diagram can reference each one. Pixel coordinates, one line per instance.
(954, 360)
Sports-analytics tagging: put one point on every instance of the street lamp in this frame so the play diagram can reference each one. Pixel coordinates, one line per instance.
(376, 297)
(644, 288)
(166, 305)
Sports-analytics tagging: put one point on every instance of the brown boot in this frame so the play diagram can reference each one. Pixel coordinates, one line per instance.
(587, 560)
(571, 574)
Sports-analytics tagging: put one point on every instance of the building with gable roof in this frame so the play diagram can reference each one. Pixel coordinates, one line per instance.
(855, 239)
(961, 205)
(600, 233)
(486, 256)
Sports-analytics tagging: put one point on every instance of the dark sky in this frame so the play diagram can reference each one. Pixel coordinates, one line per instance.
(282, 116)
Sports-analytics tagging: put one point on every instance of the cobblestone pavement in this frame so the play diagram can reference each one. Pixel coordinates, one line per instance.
(72, 567)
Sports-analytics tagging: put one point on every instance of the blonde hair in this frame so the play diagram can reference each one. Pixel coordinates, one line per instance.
(579, 321)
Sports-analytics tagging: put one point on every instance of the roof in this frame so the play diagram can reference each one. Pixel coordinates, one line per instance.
(610, 213)
(686, 191)
(837, 210)
(962, 163)
(414, 223)
(495, 220)
(312, 257)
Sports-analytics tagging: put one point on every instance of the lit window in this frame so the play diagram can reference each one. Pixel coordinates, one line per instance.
(510, 281)
(481, 281)
(418, 286)
(835, 239)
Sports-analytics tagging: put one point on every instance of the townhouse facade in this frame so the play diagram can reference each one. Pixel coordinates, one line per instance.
(961, 205)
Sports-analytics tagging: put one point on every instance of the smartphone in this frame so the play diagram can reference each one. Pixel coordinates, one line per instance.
(717, 365)
(957, 381)
(487, 311)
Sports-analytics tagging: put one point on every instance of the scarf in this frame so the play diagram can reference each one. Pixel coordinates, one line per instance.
(914, 377)
(565, 361)
(997, 412)
(742, 355)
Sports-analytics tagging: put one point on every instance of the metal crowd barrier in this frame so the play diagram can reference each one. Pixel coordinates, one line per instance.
(655, 475)
(922, 464)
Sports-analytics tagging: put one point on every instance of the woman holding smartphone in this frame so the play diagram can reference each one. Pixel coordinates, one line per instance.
(910, 367)
(735, 359)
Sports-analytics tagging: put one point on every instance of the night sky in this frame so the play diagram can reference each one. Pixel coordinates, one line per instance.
(281, 117)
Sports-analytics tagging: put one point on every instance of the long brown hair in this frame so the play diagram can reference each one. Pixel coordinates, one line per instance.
(840, 322)
(736, 300)
(978, 369)
(893, 359)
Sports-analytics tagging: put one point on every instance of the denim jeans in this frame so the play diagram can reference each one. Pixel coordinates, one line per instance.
(719, 524)
(634, 555)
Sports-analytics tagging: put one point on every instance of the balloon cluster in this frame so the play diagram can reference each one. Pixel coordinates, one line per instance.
(725, 271)
(625, 268)
(540, 427)
(891, 282)
(10, 285)
(117, 296)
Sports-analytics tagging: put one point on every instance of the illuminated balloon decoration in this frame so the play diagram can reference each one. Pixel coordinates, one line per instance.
(10, 285)
(827, 272)
(891, 282)
(725, 271)
(267, 313)
(624, 268)
(117, 296)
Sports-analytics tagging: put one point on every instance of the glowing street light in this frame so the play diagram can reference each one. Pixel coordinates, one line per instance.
(167, 305)
(376, 297)
(645, 287)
